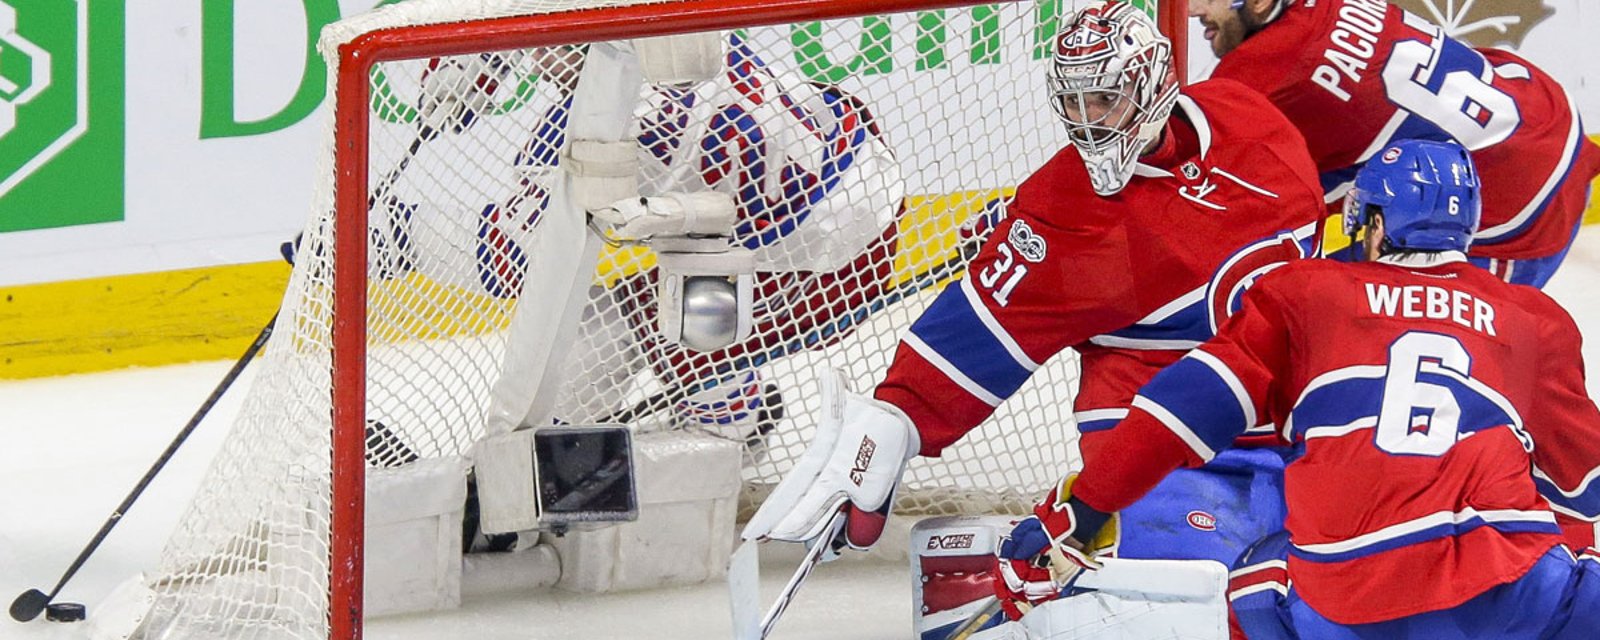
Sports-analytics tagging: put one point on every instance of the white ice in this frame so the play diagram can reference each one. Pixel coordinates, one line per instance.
(73, 447)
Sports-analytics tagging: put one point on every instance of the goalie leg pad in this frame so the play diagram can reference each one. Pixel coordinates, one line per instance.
(952, 573)
(1136, 600)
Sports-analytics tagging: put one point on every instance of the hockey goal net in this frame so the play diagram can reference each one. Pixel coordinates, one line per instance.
(856, 139)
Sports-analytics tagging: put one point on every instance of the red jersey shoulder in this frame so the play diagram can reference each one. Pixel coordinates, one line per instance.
(1299, 282)
(1236, 114)
(1549, 314)
(1059, 195)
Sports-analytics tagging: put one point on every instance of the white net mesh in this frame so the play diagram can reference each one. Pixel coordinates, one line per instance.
(853, 149)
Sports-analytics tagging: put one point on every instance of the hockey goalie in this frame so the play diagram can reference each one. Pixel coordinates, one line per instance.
(767, 204)
(782, 182)
(1130, 246)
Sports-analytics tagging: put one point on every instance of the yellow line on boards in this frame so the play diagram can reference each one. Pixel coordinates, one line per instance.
(147, 319)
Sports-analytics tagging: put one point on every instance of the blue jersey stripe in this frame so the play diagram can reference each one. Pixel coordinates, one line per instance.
(1584, 504)
(1091, 426)
(952, 329)
(1189, 390)
(1340, 400)
(1435, 532)
(1188, 323)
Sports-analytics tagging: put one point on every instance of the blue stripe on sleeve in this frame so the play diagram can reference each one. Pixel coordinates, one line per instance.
(1584, 503)
(1091, 426)
(952, 329)
(1197, 396)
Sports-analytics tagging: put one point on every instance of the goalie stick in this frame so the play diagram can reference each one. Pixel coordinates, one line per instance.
(1153, 582)
(744, 582)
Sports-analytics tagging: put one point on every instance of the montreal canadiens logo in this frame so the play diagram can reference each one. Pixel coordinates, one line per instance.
(1225, 292)
(1202, 520)
(1391, 154)
(1026, 242)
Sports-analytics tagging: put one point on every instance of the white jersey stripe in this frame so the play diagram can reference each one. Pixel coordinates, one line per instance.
(994, 327)
(1176, 426)
(1574, 135)
(950, 371)
(1270, 564)
(1344, 429)
(1142, 344)
(1100, 414)
(1281, 588)
(1425, 522)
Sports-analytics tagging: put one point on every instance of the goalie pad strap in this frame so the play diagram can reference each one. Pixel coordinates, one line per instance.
(601, 159)
(680, 59)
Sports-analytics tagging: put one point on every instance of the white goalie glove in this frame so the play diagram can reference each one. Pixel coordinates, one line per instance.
(703, 213)
(855, 463)
(457, 89)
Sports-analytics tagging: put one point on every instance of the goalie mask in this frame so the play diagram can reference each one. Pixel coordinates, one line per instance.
(1112, 84)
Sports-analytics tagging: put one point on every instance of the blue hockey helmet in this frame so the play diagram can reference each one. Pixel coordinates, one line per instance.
(1427, 192)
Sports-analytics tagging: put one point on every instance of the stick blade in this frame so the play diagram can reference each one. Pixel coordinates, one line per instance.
(744, 590)
(29, 605)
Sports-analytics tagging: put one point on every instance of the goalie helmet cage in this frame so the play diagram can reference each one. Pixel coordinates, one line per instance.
(395, 322)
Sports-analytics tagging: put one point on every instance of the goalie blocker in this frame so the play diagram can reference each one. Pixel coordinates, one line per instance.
(855, 462)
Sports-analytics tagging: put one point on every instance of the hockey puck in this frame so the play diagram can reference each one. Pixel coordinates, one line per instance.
(65, 612)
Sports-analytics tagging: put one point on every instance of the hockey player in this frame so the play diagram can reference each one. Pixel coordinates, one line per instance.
(816, 191)
(1353, 75)
(1127, 246)
(1422, 391)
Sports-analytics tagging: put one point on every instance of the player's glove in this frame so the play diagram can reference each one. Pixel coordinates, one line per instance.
(457, 89)
(703, 213)
(1047, 552)
(854, 463)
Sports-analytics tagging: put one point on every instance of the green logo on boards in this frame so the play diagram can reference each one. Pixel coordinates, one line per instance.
(61, 122)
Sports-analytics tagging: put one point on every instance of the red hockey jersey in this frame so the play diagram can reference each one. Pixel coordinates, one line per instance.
(1131, 281)
(1353, 75)
(1442, 412)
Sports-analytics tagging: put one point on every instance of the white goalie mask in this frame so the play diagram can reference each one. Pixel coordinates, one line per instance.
(1111, 82)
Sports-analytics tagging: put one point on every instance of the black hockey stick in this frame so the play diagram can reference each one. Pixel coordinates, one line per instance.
(33, 601)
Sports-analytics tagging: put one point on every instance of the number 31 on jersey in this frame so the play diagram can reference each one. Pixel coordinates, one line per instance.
(1002, 276)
